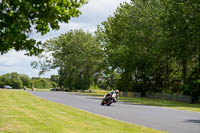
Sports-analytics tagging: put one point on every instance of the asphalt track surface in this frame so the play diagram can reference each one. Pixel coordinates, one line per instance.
(164, 119)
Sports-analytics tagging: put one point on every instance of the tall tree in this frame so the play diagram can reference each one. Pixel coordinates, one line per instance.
(181, 29)
(129, 41)
(153, 43)
(77, 55)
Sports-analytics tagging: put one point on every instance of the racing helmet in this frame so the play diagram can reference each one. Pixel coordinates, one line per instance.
(117, 91)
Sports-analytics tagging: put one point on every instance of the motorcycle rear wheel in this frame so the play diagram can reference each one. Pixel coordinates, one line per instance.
(109, 102)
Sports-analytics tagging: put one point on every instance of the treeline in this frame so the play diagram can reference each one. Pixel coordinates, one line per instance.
(19, 81)
(147, 46)
(155, 46)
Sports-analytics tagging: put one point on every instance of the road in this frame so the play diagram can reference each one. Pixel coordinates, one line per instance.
(164, 119)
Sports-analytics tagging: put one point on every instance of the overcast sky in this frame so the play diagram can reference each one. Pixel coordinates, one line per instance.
(95, 12)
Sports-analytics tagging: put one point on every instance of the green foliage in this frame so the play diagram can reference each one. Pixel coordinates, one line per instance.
(128, 42)
(12, 79)
(25, 79)
(18, 81)
(41, 83)
(55, 78)
(152, 44)
(146, 46)
(77, 54)
(192, 86)
(5, 80)
(18, 17)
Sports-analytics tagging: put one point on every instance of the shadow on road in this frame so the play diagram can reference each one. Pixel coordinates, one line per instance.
(192, 121)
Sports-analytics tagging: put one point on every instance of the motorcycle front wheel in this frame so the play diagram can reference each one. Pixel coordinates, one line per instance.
(102, 102)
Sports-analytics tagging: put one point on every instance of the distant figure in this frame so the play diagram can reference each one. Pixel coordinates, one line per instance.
(24, 88)
(32, 88)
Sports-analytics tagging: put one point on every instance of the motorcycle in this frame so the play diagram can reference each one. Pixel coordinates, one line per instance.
(107, 100)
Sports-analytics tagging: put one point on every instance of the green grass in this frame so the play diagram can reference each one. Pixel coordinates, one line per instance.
(20, 112)
(154, 102)
(35, 89)
(41, 89)
(162, 103)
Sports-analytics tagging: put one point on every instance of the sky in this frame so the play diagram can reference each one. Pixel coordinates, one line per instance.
(93, 14)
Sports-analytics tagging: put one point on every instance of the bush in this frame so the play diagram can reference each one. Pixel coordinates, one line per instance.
(11, 79)
(41, 83)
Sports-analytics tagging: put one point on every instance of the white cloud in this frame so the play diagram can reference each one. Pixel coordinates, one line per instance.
(93, 14)
(15, 58)
(17, 62)
(96, 12)
(63, 29)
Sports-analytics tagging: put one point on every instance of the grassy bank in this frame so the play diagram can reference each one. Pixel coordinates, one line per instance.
(36, 89)
(162, 103)
(20, 112)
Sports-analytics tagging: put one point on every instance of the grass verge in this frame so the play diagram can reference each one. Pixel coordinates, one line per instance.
(162, 103)
(20, 112)
(35, 89)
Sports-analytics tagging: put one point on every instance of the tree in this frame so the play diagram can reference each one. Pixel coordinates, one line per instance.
(19, 17)
(41, 83)
(12, 79)
(129, 42)
(16, 82)
(181, 26)
(181, 29)
(77, 55)
(192, 87)
(55, 80)
(5, 79)
(153, 44)
(25, 79)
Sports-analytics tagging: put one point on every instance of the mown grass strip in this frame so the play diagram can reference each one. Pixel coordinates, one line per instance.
(162, 103)
(20, 112)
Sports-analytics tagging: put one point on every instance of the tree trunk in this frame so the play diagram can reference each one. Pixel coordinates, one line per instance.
(136, 77)
(199, 62)
(167, 84)
(184, 65)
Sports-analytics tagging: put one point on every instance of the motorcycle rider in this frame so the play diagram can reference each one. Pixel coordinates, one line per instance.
(115, 95)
